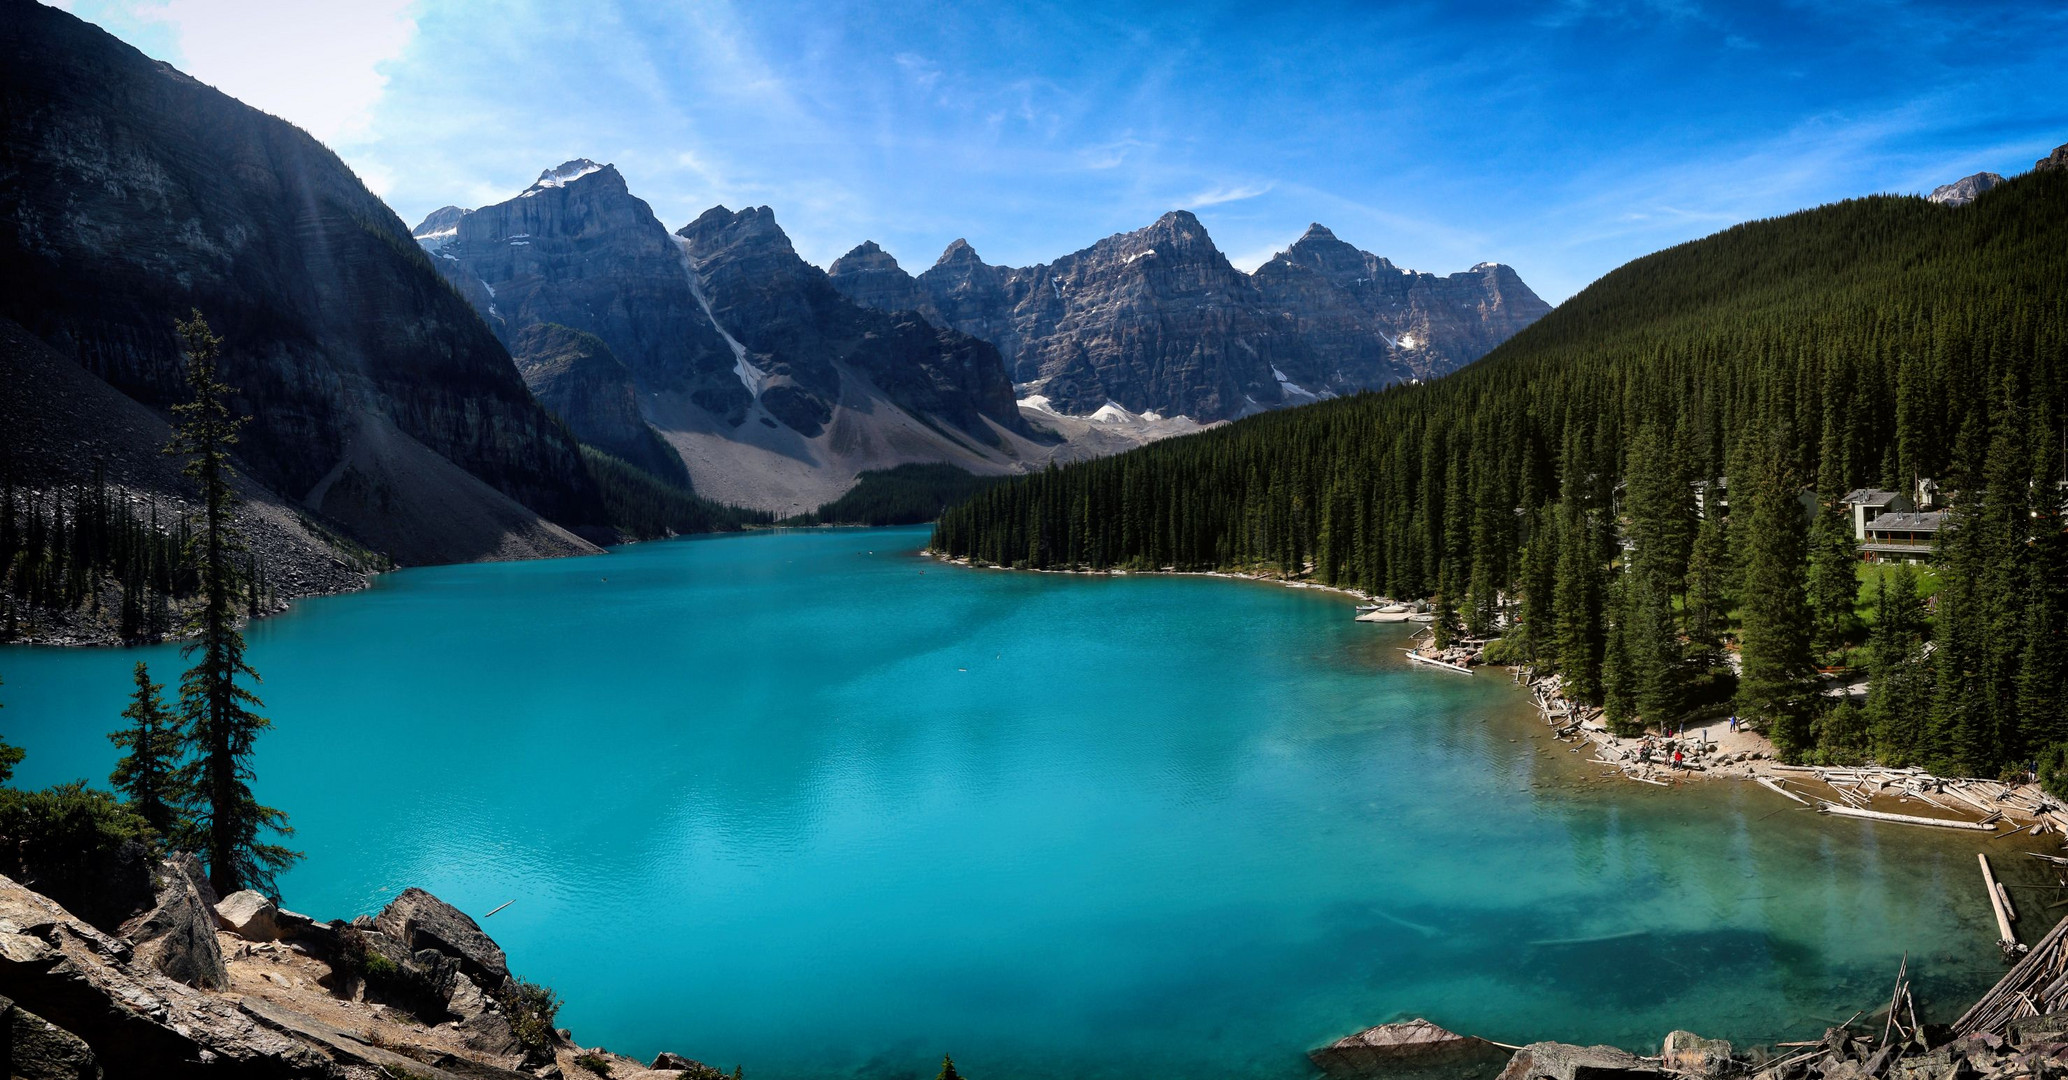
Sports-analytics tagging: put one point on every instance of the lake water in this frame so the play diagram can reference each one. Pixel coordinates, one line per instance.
(809, 803)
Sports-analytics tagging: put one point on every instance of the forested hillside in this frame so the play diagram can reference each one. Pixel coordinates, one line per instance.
(1547, 492)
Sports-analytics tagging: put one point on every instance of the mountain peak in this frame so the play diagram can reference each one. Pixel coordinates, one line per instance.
(2056, 160)
(719, 227)
(1316, 231)
(443, 221)
(958, 252)
(1963, 191)
(565, 173)
(866, 256)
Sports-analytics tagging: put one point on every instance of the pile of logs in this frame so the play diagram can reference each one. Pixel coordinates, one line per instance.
(1855, 787)
(2037, 986)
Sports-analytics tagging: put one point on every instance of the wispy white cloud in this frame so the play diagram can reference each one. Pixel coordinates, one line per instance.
(318, 65)
(1436, 135)
(1224, 193)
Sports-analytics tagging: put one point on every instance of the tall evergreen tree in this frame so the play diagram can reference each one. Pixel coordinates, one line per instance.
(10, 756)
(148, 773)
(1707, 610)
(1899, 696)
(1774, 631)
(215, 709)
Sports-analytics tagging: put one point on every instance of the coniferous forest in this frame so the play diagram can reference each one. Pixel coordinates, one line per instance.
(1642, 491)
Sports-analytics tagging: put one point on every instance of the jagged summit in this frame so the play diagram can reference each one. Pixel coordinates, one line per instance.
(566, 173)
(444, 221)
(1963, 191)
(1158, 320)
(959, 253)
(753, 225)
(866, 256)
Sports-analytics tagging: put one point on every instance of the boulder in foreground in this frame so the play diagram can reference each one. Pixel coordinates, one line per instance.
(1405, 1049)
(419, 921)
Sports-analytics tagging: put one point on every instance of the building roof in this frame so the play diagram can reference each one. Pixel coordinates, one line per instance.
(1925, 522)
(1870, 497)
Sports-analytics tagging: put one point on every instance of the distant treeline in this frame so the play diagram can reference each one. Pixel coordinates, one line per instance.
(902, 495)
(1546, 492)
(70, 548)
(645, 507)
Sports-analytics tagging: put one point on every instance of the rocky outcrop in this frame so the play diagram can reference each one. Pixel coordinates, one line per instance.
(1407, 1049)
(1963, 191)
(32, 1048)
(1370, 323)
(575, 375)
(1559, 1061)
(136, 1021)
(804, 342)
(2056, 160)
(870, 277)
(136, 194)
(578, 249)
(176, 937)
(1159, 322)
(420, 921)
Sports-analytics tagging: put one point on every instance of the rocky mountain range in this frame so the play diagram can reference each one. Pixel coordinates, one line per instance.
(424, 392)
(772, 387)
(1159, 322)
(132, 195)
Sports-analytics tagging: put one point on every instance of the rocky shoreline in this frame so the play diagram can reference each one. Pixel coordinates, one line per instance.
(181, 984)
(1711, 750)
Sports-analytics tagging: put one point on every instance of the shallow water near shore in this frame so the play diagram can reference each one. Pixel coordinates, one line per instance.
(812, 804)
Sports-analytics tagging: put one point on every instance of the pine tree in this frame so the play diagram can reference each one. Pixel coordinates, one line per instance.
(148, 773)
(948, 1069)
(215, 710)
(1899, 695)
(1707, 609)
(1833, 559)
(1618, 680)
(10, 756)
(1578, 611)
(1774, 632)
(1833, 578)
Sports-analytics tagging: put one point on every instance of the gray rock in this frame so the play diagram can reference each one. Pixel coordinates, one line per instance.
(1963, 191)
(1561, 1061)
(2056, 160)
(36, 1049)
(670, 1061)
(250, 915)
(1687, 1052)
(137, 1021)
(818, 347)
(1159, 320)
(419, 921)
(176, 937)
(575, 374)
(1407, 1048)
(579, 250)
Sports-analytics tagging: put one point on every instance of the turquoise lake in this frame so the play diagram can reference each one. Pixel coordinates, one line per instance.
(812, 804)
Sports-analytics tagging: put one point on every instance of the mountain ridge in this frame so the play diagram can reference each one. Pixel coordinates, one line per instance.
(137, 194)
(1157, 319)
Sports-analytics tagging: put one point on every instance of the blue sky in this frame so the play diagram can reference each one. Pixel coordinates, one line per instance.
(1563, 138)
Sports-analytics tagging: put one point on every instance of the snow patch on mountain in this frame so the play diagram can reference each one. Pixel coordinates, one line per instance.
(561, 175)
